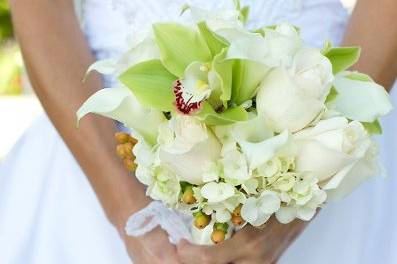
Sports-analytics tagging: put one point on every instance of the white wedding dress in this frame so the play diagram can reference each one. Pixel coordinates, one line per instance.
(49, 213)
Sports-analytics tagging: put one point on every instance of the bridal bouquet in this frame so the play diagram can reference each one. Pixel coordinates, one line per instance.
(234, 126)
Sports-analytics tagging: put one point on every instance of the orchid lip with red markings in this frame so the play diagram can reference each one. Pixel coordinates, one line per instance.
(184, 106)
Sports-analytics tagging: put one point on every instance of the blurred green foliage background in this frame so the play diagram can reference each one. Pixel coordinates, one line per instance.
(10, 58)
(5, 21)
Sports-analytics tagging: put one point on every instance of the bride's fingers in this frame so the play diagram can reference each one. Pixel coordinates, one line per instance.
(223, 253)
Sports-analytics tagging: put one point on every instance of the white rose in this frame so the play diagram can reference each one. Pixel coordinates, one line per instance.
(181, 134)
(334, 151)
(292, 98)
(190, 150)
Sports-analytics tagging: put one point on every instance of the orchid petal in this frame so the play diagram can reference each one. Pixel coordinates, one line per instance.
(220, 79)
(151, 83)
(230, 116)
(179, 46)
(247, 76)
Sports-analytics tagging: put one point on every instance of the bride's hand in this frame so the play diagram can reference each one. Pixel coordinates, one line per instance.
(248, 246)
(153, 247)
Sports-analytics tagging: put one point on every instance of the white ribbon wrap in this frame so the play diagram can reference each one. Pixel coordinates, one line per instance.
(156, 214)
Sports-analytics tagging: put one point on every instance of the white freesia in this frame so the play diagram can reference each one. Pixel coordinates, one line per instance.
(332, 150)
(181, 134)
(257, 211)
(217, 192)
(198, 154)
(291, 99)
(121, 105)
(361, 100)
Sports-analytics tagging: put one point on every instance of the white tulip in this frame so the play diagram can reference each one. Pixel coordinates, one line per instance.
(292, 98)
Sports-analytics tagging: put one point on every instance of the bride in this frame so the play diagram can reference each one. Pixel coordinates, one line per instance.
(65, 198)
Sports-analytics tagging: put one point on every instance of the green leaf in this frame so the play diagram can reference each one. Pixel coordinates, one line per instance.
(220, 78)
(333, 93)
(237, 4)
(151, 83)
(214, 42)
(373, 128)
(179, 46)
(230, 116)
(327, 47)
(247, 76)
(343, 58)
(358, 76)
(244, 13)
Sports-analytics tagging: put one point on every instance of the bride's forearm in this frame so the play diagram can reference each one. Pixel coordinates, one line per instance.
(57, 56)
(373, 27)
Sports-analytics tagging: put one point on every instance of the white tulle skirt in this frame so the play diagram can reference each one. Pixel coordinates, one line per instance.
(50, 214)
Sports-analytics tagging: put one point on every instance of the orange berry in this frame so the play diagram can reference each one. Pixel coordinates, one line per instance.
(237, 220)
(218, 236)
(129, 164)
(128, 149)
(120, 150)
(188, 196)
(132, 140)
(122, 137)
(237, 210)
(201, 220)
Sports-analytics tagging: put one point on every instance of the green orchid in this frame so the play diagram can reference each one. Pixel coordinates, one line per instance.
(192, 75)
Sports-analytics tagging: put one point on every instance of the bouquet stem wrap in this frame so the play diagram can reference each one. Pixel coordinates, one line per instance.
(156, 214)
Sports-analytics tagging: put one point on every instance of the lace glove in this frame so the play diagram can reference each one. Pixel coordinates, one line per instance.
(156, 214)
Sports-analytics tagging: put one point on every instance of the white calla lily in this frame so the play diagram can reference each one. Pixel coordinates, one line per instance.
(361, 100)
(142, 47)
(258, 153)
(121, 105)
